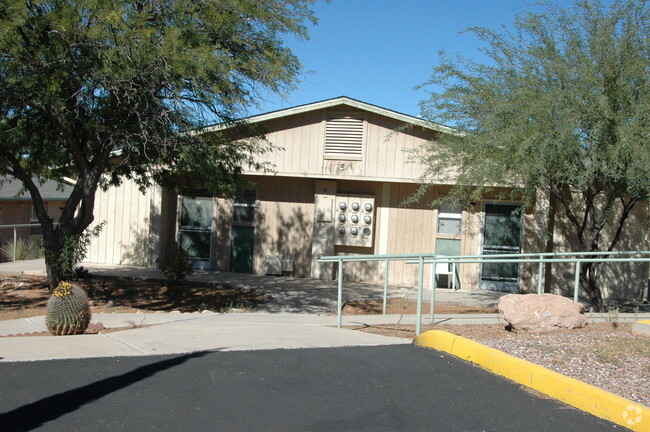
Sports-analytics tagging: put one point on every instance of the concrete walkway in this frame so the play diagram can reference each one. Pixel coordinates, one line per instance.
(290, 295)
(300, 316)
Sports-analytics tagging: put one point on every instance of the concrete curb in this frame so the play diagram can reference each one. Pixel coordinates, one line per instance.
(580, 395)
(641, 328)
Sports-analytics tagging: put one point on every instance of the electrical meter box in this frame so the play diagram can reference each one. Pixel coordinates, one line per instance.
(355, 220)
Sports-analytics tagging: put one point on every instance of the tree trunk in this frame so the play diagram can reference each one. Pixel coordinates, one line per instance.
(53, 272)
(52, 249)
(589, 282)
(550, 245)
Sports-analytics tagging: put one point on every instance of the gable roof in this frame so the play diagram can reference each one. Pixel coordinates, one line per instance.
(342, 100)
(12, 189)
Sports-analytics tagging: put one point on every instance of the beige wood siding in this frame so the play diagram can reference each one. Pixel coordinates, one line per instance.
(139, 226)
(618, 280)
(388, 145)
(127, 237)
(299, 142)
(284, 222)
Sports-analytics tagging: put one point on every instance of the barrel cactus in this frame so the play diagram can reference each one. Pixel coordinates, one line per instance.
(68, 310)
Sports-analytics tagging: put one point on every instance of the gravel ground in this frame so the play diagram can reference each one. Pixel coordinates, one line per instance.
(606, 355)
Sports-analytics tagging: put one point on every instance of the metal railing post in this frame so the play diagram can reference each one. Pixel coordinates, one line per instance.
(432, 278)
(15, 239)
(540, 275)
(385, 286)
(576, 258)
(418, 321)
(340, 295)
(576, 284)
(433, 285)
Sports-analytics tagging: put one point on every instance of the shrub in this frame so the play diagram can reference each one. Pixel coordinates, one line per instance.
(179, 267)
(26, 249)
(74, 251)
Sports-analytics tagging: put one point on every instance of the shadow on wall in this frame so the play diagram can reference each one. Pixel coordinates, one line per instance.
(144, 245)
(358, 271)
(618, 280)
(222, 235)
(289, 236)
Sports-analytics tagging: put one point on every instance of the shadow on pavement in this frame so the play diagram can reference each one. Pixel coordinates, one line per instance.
(38, 413)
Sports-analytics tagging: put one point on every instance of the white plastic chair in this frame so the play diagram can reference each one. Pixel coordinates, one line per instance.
(448, 269)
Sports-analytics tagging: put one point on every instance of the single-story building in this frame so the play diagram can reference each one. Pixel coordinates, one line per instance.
(342, 173)
(16, 205)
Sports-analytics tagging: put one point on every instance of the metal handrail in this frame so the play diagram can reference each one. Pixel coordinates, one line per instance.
(432, 258)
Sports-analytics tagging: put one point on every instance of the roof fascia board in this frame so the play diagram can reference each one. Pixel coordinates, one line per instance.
(395, 180)
(335, 102)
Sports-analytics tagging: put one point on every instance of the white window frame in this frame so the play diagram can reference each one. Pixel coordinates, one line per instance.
(449, 214)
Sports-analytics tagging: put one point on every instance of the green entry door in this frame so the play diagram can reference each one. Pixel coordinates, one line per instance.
(501, 235)
(241, 249)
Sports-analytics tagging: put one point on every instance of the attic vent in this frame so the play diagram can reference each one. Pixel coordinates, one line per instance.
(344, 136)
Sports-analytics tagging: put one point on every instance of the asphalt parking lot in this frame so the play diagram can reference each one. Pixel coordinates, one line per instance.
(382, 388)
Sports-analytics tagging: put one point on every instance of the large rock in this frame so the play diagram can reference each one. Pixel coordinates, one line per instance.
(541, 312)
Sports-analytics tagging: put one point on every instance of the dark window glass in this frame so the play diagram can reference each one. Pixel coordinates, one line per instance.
(244, 207)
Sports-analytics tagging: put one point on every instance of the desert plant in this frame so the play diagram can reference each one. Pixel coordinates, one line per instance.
(68, 310)
(74, 251)
(26, 248)
(179, 267)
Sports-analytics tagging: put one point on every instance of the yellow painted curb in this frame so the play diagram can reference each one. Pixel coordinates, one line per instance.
(583, 396)
(641, 328)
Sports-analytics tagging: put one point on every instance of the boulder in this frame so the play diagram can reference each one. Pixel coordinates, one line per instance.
(541, 312)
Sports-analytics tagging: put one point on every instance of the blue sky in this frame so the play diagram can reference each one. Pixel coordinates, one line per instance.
(377, 51)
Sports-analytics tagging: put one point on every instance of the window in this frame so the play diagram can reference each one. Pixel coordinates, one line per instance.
(449, 220)
(344, 136)
(244, 207)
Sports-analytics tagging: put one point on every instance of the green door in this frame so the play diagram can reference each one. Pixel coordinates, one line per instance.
(241, 249)
(501, 235)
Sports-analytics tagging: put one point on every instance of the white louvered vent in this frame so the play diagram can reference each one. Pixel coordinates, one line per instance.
(344, 136)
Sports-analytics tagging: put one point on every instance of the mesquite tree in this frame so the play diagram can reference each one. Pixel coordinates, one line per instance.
(561, 104)
(104, 90)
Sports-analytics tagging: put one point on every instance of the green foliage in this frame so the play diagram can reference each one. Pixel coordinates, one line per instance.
(178, 267)
(101, 91)
(26, 249)
(74, 251)
(561, 100)
(68, 310)
(561, 104)
(86, 78)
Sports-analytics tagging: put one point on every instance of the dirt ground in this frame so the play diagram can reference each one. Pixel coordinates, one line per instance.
(26, 296)
(407, 306)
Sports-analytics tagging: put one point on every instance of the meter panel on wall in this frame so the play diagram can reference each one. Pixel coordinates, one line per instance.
(355, 220)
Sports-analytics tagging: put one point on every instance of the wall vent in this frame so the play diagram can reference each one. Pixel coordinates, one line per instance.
(344, 136)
